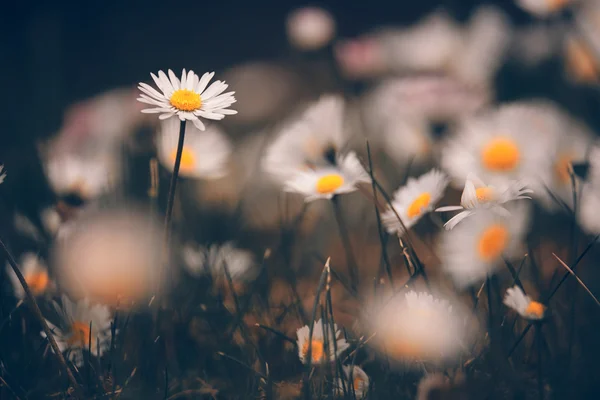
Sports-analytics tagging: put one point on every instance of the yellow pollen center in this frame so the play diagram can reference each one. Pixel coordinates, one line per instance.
(484, 194)
(493, 241)
(329, 183)
(416, 207)
(188, 159)
(561, 168)
(316, 350)
(80, 335)
(185, 100)
(500, 155)
(358, 383)
(37, 282)
(536, 309)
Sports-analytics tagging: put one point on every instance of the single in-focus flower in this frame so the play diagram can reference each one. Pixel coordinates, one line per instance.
(475, 248)
(326, 182)
(318, 355)
(204, 155)
(78, 322)
(521, 303)
(417, 326)
(310, 28)
(213, 260)
(415, 199)
(543, 8)
(501, 145)
(356, 382)
(35, 273)
(477, 195)
(188, 98)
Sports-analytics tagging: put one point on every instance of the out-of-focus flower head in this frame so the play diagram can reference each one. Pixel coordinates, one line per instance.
(360, 58)
(356, 382)
(521, 303)
(78, 322)
(477, 195)
(500, 145)
(189, 98)
(213, 260)
(534, 44)
(35, 273)
(581, 61)
(589, 204)
(310, 28)
(418, 326)
(414, 200)
(318, 355)
(407, 139)
(478, 246)
(205, 154)
(543, 8)
(110, 256)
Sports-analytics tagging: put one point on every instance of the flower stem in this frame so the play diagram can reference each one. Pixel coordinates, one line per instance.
(38, 313)
(173, 184)
(350, 260)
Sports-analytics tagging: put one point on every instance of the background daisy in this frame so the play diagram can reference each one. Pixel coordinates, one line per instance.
(318, 355)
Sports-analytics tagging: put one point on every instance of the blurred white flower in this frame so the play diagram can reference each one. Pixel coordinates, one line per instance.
(589, 204)
(326, 182)
(477, 195)
(581, 60)
(543, 8)
(240, 263)
(318, 355)
(315, 139)
(35, 273)
(513, 142)
(407, 139)
(205, 154)
(521, 303)
(356, 382)
(414, 200)
(188, 98)
(360, 58)
(79, 322)
(310, 28)
(475, 248)
(417, 326)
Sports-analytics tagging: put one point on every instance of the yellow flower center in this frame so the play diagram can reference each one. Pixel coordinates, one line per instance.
(329, 183)
(188, 159)
(485, 194)
(536, 309)
(316, 350)
(358, 383)
(80, 334)
(406, 349)
(555, 5)
(185, 100)
(416, 207)
(500, 154)
(37, 282)
(562, 167)
(493, 241)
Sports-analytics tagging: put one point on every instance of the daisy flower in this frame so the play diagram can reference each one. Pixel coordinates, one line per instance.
(318, 343)
(407, 139)
(326, 182)
(78, 322)
(501, 145)
(205, 154)
(477, 247)
(521, 303)
(543, 8)
(315, 139)
(35, 273)
(358, 377)
(240, 263)
(477, 194)
(188, 98)
(414, 200)
(417, 326)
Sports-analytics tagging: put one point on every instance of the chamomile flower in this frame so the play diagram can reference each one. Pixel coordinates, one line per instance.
(326, 182)
(414, 200)
(240, 263)
(78, 322)
(205, 154)
(543, 8)
(477, 195)
(501, 145)
(315, 139)
(356, 382)
(318, 349)
(521, 303)
(188, 98)
(417, 326)
(35, 273)
(475, 248)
